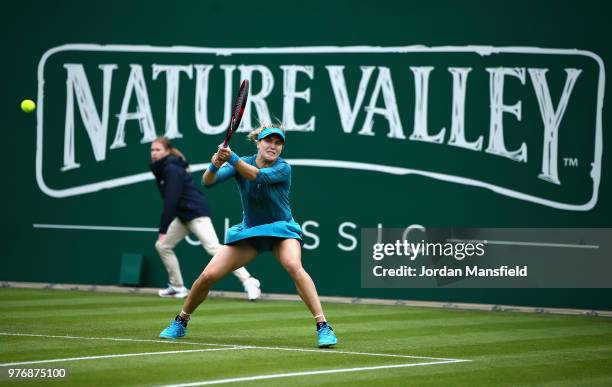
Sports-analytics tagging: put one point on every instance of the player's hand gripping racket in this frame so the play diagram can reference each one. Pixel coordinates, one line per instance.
(237, 111)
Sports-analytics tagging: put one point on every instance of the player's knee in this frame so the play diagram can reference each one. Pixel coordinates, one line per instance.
(294, 269)
(208, 278)
(161, 247)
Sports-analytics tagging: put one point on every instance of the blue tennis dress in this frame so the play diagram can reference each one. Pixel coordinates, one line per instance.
(265, 205)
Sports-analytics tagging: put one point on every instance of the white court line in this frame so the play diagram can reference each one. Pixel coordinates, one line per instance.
(68, 359)
(357, 353)
(331, 351)
(306, 373)
(118, 339)
(232, 347)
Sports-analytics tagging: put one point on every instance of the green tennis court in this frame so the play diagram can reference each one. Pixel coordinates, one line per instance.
(111, 339)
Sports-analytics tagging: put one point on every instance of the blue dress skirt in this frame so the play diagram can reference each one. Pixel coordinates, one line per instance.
(264, 236)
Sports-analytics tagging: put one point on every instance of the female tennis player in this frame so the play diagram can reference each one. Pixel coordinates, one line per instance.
(185, 209)
(264, 180)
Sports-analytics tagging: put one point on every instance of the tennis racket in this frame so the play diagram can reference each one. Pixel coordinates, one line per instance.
(237, 111)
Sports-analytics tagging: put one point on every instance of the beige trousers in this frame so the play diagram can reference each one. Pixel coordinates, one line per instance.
(203, 229)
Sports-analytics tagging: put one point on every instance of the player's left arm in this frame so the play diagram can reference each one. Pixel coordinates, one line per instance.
(277, 173)
(246, 170)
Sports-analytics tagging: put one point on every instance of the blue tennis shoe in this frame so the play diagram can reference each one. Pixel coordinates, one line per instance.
(175, 330)
(326, 335)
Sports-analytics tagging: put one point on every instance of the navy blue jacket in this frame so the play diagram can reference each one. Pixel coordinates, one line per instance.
(181, 197)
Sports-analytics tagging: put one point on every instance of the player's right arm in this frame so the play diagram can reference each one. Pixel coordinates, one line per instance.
(210, 174)
(245, 170)
(217, 172)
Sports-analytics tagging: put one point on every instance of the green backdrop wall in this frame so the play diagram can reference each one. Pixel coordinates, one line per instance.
(443, 114)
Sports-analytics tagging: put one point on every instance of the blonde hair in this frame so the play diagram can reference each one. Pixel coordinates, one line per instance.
(165, 142)
(252, 136)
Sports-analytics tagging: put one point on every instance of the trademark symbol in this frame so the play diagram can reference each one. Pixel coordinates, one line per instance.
(570, 161)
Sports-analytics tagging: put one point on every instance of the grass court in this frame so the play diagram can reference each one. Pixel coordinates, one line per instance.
(109, 339)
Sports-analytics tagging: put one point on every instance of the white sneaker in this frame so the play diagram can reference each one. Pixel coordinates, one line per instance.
(174, 292)
(251, 287)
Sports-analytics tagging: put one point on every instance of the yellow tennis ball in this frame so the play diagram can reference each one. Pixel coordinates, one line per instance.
(28, 106)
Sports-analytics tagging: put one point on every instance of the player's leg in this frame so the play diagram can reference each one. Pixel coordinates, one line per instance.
(176, 232)
(289, 253)
(203, 229)
(227, 259)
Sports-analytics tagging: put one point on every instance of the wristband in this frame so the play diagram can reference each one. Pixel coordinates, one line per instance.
(212, 168)
(233, 159)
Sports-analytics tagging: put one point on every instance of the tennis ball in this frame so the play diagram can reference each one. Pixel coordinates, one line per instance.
(28, 106)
